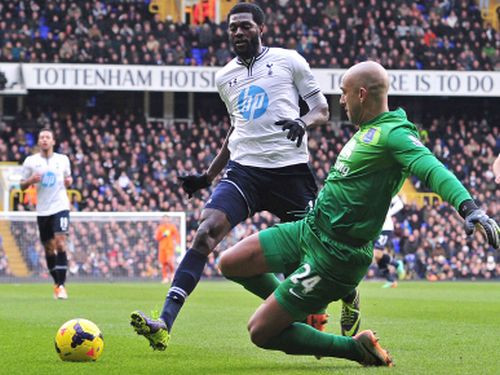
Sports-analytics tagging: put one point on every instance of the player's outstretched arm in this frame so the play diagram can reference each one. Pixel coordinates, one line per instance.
(193, 183)
(410, 152)
(475, 218)
(318, 113)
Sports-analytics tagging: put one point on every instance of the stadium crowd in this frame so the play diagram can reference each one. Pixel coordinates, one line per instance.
(403, 34)
(120, 162)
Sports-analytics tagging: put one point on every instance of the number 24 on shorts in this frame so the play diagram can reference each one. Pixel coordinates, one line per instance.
(308, 283)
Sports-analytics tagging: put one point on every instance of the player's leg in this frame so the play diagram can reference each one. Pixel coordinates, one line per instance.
(291, 194)
(213, 228)
(383, 264)
(253, 261)
(400, 268)
(47, 239)
(61, 264)
(164, 273)
(51, 258)
(245, 264)
(383, 259)
(60, 225)
(273, 327)
(226, 208)
(156, 329)
(162, 260)
(304, 291)
(170, 267)
(397, 264)
(230, 203)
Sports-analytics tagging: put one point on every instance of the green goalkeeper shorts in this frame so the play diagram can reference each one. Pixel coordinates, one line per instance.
(327, 270)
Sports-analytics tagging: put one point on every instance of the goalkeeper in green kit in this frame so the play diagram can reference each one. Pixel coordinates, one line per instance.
(333, 244)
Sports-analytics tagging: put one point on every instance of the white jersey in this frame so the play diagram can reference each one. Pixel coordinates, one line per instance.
(260, 92)
(395, 206)
(51, 192)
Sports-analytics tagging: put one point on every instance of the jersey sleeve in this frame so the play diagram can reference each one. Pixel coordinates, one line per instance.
(67, 167)
(406, 147)
(305, 82)
(26, 171)
(224, 98)
(396, 205)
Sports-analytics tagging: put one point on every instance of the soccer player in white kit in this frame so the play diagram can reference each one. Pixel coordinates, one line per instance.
(265, 152)
(51, 173)
(383, 242)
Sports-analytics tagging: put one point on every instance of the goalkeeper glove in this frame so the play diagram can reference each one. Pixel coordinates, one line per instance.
(296, 129)
(477, 218)
(193, 183)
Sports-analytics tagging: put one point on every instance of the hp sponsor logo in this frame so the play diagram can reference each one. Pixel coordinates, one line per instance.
(48, 179)
(253, 102)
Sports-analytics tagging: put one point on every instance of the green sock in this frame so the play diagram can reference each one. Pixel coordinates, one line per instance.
(301, 339)
(262, 285)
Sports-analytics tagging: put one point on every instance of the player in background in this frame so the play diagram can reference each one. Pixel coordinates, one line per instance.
(383, 243)
(334, 242)
(51, 173)
(265, 152)
(168, 238)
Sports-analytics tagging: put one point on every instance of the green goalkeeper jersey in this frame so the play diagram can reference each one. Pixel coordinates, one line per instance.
(370, 170)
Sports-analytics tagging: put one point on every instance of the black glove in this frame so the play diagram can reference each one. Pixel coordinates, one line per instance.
(476, 218)
(193, 183)
(296, 129)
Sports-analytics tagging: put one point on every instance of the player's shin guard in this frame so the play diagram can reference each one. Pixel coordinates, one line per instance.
(61, 267)
(185, 280)
(51, 265)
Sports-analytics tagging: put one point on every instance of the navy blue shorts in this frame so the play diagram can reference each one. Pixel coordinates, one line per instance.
(53, 224)
(243, 191)
(383, 240)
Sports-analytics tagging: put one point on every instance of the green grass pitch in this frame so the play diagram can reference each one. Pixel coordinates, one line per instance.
(430, 328)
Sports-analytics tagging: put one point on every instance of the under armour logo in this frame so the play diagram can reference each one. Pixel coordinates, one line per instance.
(269, 66)
(233, 82)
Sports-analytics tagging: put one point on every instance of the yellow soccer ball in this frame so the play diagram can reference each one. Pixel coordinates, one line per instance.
(79, 340)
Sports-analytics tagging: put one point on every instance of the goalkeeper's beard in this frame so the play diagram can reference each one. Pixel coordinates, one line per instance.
(358, 122)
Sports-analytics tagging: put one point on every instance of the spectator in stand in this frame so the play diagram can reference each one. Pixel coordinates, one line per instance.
(400, 34)
(183, 148)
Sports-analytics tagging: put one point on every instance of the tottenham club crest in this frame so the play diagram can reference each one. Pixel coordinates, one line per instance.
(253, 102)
